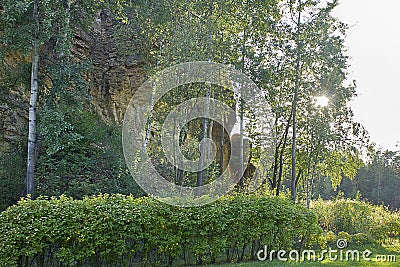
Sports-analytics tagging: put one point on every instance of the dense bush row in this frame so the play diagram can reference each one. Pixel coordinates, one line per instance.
(356, 220)
(121, 230)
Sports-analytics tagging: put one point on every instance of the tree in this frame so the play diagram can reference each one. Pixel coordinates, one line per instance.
(378, 181)
(295, 99)
(31, 28)
(32, 105)
(292, 49)
(321, 132)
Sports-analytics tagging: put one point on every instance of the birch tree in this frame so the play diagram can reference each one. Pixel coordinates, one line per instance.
(30, 170)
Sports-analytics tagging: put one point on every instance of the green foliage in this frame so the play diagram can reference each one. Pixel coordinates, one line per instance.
(56, 22)
(338, 164)
(257, 37)
(330, 237)
(119, 229)
(344, 235)
(58, 132)
(361, 239)
(80, 155)
(12, 173)
(190, 135)
(378, 181)
(356, 220)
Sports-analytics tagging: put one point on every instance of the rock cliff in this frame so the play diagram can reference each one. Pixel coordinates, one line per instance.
(113, 79)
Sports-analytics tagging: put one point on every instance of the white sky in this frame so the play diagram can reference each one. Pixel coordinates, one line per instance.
(373, 43)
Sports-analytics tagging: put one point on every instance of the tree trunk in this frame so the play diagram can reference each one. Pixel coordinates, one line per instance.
(30, 170)
(241, 113)
(279, 180)
(310, 185)
(241, 146)
(150, 120)
(273, 181)
(296, 93)
(221, 167)
(200, 176)
(204, 129)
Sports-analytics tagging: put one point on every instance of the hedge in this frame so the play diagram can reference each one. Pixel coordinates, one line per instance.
(116, 230)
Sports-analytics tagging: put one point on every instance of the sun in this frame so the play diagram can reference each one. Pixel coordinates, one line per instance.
(321, 101)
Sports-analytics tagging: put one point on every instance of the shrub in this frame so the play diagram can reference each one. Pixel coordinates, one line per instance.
(118, 230)
(375, 223)
(361, 239)
(12, 173)
(344, 235)
(331, 238)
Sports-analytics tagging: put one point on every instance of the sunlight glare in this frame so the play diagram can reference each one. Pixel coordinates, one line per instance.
(321, 101)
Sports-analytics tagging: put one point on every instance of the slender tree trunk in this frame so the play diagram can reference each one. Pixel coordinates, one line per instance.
(204, 127)
(278, 161)
(210, 136)
(200, 176)
(285, 138)
(30, 170)
(241, 113)
(296, 93)
(174, 152)
(221, 167)
(150, 121)
(273, 181)
(241, 146)
(180, 172)
(310, 184)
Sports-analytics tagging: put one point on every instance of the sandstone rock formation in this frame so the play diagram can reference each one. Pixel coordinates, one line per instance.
(13, 120)
(113, 79)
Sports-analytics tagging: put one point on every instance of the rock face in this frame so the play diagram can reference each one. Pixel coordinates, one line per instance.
(113, 79)
(14, 105)
(13, 120)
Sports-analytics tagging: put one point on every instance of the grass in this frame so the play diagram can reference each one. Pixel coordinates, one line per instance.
(393, 249)
(310, 264)
(377, 250)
